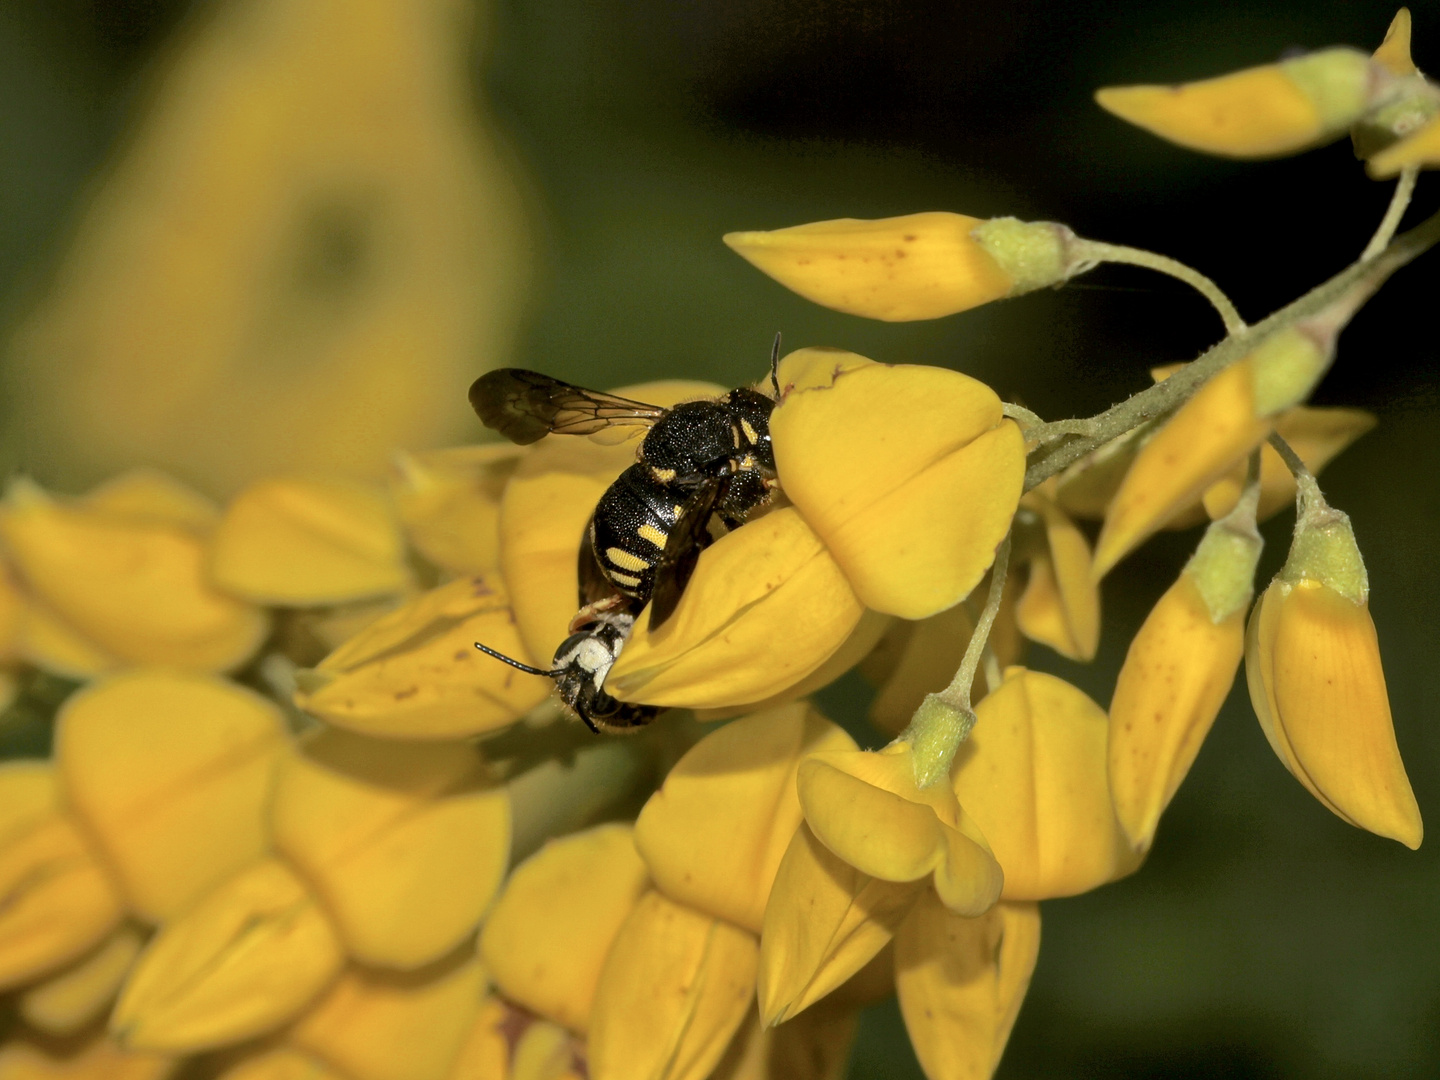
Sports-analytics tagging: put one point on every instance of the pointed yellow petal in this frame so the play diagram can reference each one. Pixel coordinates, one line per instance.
(690, 977)
(281, 1063)
(366, 1025)
(1265, 111)
(449, 503)
(97, 1058)
(824, 922)
(153, 496)
(1394, 51)
(244, 960)
(714, 834)
(961, 982)
(415, 672)
(136, 589)
(1032, 775)
(1061, 603)
(405, 843)
(766, 608)
(71, 1000)
(303, 543)
(171, 774)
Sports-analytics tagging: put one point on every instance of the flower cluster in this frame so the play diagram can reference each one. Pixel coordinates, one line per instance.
(297, 825)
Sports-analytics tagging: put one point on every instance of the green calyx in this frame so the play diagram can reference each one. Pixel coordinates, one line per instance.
(935, 733)
(1223, 566)
(1337, 82)
(1286, 366)
(1324, 550)
(1033, 254)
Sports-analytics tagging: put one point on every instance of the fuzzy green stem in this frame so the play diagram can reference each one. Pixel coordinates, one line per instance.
(1399, 202)
(1097, 251)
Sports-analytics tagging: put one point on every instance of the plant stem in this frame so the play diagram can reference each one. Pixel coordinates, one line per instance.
(1088, 250)
(958, 692)
(1289, 456)
(1399, 202)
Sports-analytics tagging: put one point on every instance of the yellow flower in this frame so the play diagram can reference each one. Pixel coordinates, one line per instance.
(95, 1058)
(304, 543)
(171, 775)
(920, 266)
(545, 1051)
(546, 940)
(485, 1053)
(79, 995)
(1060, 606)
(1312, 661)
(1266, 111)
(449, 502)
(961, 982)
(136, 588)
(242, 961)
(1032, 777)
(1177, 673)
(56, 900)
(404, 843)
(909, 475)
(415, 672)
(674, 989)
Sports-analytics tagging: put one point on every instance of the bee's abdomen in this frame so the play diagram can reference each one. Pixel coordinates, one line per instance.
(631, 524)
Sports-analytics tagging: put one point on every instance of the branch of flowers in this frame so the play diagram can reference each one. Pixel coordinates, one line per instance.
(1362, 277)
(1399, 202)
(1098, 251)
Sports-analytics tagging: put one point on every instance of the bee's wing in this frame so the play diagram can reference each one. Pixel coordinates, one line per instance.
(525, 406)
(689, 535)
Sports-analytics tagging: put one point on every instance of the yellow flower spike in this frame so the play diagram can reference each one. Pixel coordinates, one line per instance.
(303, 543)
(170, 774)
(1421, 148)
(150, 495)
(56, 898)
(766, 608)
(485, 1054)
(1032, 775)
(912, 512)
(714, 834)
(1266, 111)
(367, 1026)
(405, 843)
(449, 503)
(65, 1003)
(1312, 662)
(824, 922)
(546, 940)
(1178, 672)
(690, 977)
(545, 1051)
(865, 807)
(136, 589)
(415, 672)
(919, 266)
(1317, 435)
(96, 1058)
(1394, 52)
(961, 983)
(545, 509)
(281, 1063)
(1061, 603)
(244, 960)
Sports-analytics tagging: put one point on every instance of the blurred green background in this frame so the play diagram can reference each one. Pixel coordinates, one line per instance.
(1264, 938)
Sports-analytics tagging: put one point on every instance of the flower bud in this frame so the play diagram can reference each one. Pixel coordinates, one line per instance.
(914, 510)
(1267, 111)
(71, 1000)
(692, 979)
(415, 672)
(1061, 603)
(1032, 775)
(304, 543)
(171, 775)
(546, 940)
(244, 960)
(920, 266)
(95, 1058)
(449, 503)
(405, 843)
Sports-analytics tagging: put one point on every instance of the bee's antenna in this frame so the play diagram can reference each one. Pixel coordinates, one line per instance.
(515, 663)
(775, 365)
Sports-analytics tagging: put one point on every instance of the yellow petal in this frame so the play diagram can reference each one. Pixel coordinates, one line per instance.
(170, 773)
(865, 807)
(303, 543)
(1265, 111)
(546, 1051)
(1061, 603)
(824, 922)
(1420, 148)
(1313, 664)
(1394, 51)
(553, 925)
(485, 1054)
(961, 982)
(674, 989)
(366, 1025)
(281, 1063)
(1202, 442)
(920, 266)
(136, 589)
(766, 608)
(150, 495)
(72, 999)
(96, 1058)
(45, 640)
(1032, 775)
(813, 1046)
(244, 960)
(714, 834)
(1176, 675)
(405, 843)
(914, 510)
(415, 672)
(449, 503)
